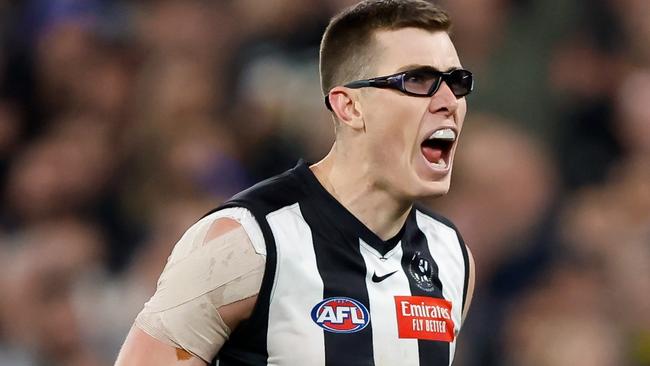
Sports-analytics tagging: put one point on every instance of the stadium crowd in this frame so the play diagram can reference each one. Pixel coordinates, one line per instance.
(123, 122)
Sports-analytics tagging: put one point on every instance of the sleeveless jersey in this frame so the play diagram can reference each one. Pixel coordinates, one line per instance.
(335, 294)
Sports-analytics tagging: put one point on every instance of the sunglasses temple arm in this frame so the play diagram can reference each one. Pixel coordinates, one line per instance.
(377, 83)
(360, 84)
(327, 102)
(353, 85)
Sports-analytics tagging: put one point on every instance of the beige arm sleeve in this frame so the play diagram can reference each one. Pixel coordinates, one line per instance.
(199, 278)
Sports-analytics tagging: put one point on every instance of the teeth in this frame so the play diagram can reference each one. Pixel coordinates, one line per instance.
(444, 134)
(441, 163)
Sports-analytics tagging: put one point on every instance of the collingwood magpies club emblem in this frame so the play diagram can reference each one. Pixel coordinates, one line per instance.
(420, 270)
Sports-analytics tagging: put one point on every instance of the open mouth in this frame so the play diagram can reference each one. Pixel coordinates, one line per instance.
(437, 147)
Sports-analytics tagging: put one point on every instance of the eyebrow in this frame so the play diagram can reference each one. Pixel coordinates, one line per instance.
(419, 66)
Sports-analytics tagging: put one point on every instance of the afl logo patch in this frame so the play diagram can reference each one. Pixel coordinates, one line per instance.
(340, 315)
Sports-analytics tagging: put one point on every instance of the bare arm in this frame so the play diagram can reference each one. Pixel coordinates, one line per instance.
(160, 342)
(142, 349)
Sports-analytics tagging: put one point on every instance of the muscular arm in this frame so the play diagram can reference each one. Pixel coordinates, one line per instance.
(141, 349)
(220, 282)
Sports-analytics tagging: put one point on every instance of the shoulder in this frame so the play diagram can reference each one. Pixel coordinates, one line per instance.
(223, 220)
(439, 219)
(208, 284)
(216, 251)
(224, 224)
(272, 193)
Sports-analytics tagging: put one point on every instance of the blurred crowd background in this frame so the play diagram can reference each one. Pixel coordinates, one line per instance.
(123, 122)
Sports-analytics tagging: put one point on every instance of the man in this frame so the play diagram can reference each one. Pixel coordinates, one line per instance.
(333, 264)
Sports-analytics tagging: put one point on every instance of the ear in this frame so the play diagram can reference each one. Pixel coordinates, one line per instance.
(346, 107)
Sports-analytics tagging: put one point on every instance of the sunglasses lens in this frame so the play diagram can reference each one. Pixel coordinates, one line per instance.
(424, 81)
(460, 82)
(420, 81)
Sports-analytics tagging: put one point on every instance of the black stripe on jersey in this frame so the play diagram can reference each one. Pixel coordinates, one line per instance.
(247, 345)
(342, 267)
(416, 247)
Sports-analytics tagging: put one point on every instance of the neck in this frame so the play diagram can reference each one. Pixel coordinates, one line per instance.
(383, 213)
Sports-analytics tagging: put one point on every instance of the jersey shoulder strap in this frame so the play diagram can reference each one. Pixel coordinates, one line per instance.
(247, 343)
(445, 221)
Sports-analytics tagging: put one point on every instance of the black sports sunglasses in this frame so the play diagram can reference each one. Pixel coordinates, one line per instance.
(420, 82)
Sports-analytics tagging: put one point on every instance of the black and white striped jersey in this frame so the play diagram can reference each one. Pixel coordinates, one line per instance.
(335, 294)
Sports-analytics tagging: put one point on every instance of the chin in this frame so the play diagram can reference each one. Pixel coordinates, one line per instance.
(428, 183)
(435, 189)
(430, 180)
(424, 189)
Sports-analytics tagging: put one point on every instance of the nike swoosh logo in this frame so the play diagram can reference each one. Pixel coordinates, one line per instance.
(378, 279)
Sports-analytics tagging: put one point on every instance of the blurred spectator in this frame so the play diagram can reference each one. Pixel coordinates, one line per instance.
(479, 29)
(633, 117)
(38, 311)
(564, 321)
(10, 126)
(608, 227)
(587, 143)
(63, 172)
(634, 15)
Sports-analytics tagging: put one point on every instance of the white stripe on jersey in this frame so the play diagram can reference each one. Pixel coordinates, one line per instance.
(387, 347)
(296, 273)
(445, 250)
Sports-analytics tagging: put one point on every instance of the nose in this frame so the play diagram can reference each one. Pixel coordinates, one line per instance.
(443, 101)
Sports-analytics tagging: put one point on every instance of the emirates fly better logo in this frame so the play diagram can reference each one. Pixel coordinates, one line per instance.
(424, 317)
(340, 315)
